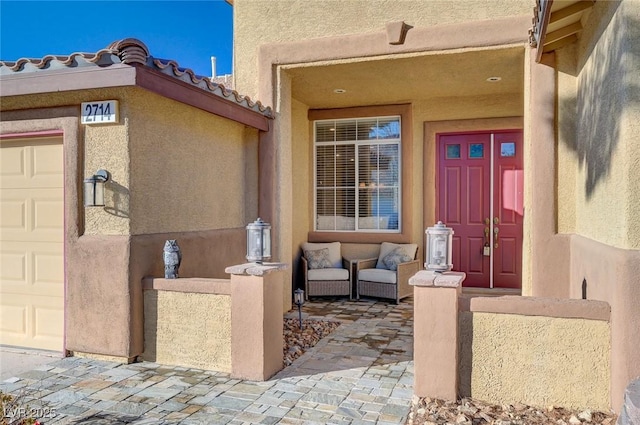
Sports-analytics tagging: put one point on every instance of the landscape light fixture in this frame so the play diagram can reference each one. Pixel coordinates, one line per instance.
(298, 299)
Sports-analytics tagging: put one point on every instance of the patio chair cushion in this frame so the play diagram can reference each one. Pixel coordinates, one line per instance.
(378, 275)
(318, 259)
(386, 248)
(328, 274)
(335, 256)
(395, 257)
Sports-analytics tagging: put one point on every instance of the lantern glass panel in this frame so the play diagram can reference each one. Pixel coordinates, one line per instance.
(93, 192)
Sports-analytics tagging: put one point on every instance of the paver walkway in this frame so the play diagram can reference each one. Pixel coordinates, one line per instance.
(362, 373)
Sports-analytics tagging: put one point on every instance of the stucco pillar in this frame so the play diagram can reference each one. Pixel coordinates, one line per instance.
(435, 333)
(257, 336)
(546, 253)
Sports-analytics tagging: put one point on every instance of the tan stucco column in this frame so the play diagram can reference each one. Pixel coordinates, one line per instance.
(257, 336)
(435, 333)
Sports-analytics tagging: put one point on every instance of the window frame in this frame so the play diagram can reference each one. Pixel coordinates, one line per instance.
(405, 146)
(357, 187)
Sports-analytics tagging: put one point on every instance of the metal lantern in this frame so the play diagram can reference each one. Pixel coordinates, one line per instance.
(258, 241)
(439, 248)
(94, 189)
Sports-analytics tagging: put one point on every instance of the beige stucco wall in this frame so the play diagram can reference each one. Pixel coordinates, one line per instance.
(104, 264)
(302, 151)
(188, 329)
(255, 23)
(194, 170)
(507, 358)
(598, 178)
(114, 218)
(598, 128)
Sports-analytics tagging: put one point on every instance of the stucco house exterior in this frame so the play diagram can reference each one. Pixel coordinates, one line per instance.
(514, 121)
(520, 116)
(182, 156)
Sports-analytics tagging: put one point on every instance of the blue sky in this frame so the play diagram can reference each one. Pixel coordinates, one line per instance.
(189, 32)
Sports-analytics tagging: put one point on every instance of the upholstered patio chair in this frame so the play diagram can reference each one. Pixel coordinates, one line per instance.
(326, 273)
(388, 275)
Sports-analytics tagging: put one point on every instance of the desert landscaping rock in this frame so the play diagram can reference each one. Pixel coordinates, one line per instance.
(467, 411)
(297, 341)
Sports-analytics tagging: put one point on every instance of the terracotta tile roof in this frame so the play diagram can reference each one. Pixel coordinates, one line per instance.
(130, 51)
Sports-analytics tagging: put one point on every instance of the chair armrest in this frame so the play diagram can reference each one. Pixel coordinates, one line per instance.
(305, 267)
(367, 263)
(409, 266)
(346, 264)
(406, 270)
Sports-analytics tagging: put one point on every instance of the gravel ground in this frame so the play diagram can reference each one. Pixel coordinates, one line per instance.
(426, 411)
(296, 342)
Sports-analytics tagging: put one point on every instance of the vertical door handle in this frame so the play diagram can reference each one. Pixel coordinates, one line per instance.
(486, 236)
(495, 236)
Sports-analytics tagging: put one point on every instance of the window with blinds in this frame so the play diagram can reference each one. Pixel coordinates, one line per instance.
(357, 175)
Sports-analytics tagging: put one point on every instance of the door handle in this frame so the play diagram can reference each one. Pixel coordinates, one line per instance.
(495, 236)
(496, 220)
(487, 239)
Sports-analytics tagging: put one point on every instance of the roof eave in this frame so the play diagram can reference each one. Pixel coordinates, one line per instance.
(180, 91)
(121, 75)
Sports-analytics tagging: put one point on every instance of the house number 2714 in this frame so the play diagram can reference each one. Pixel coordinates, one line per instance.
(101, 112)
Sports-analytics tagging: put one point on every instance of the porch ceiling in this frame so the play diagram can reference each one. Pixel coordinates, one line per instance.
(375, 81)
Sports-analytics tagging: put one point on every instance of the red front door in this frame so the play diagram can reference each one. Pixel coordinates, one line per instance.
(480, 188)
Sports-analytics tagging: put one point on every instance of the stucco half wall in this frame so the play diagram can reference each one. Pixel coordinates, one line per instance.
(537, 351)
(188, 329)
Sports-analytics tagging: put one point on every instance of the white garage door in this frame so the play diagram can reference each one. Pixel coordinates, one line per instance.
(31, 243)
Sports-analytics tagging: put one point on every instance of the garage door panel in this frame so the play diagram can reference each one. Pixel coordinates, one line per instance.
(32, 321)
(31, 163)
(48, 270)
(46, 162)
(35, 268)
(32, 215)
(46, 321)
(14, 215)
(31, 243)
(13, 170)
(13, 267)
(14, 319)
(47, 215)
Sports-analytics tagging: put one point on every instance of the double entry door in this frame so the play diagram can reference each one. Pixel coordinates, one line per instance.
(480, 195)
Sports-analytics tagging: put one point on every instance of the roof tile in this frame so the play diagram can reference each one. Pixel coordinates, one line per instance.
(130, 51)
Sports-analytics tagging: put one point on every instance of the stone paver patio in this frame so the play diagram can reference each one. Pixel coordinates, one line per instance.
(362, 373)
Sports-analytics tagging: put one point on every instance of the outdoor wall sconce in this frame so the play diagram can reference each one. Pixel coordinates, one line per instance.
(439, 248)
(258, 241)
(298, 299)
(94, 189)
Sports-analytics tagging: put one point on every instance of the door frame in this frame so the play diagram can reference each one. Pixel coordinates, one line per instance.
(432, 131)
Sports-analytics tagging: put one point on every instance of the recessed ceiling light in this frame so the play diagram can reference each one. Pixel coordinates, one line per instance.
(339, 91)
(494, 79)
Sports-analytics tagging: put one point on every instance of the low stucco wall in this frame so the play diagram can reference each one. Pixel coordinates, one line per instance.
(188, 329)
(610, 274)
(537, 351)
(228, 325)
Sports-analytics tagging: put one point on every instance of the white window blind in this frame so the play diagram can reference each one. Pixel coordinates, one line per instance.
(357, 174)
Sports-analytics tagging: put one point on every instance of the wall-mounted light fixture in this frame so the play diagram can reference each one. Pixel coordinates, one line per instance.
(94, 189)
(439, 248)
(258, 241)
